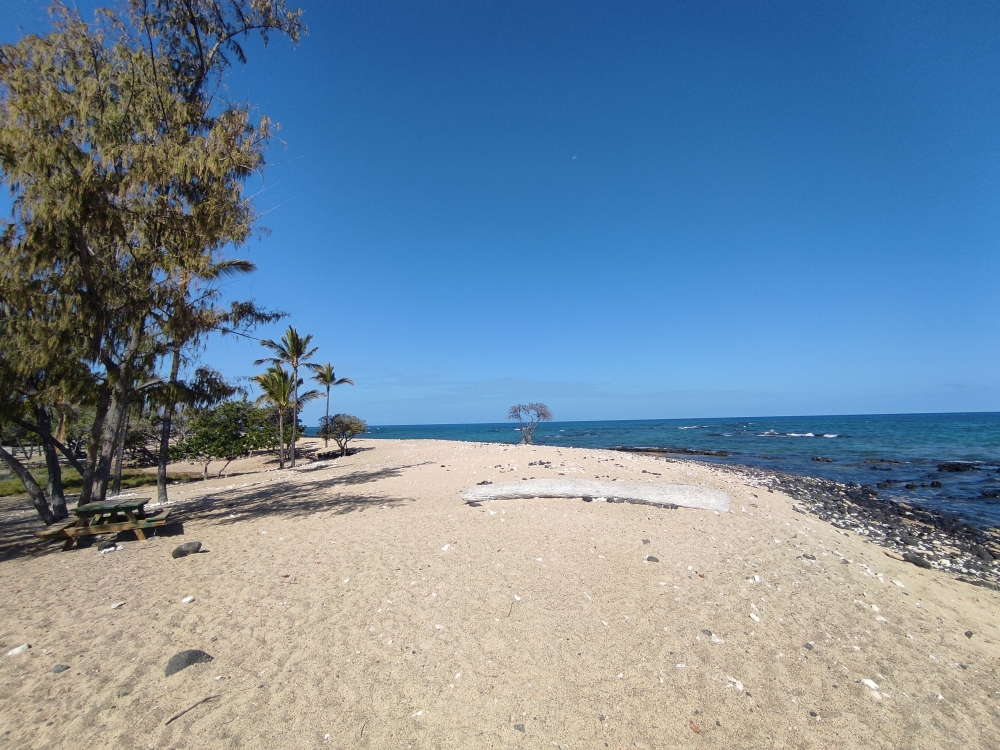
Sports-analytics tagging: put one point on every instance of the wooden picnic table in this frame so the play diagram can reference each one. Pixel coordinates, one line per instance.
(105, 518)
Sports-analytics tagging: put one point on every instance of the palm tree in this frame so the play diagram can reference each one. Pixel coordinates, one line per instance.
(280, 390)
(293, 350)
(323, 374)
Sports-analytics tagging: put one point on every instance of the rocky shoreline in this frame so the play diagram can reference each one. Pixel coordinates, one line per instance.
(926, 538)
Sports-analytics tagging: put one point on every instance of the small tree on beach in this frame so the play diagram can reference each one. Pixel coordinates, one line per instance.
(528, 416)
(324, 375)
(343, 428)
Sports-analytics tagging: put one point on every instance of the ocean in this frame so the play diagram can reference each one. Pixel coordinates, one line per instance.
(900, 454)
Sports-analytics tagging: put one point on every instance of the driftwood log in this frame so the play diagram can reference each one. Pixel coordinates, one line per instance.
(643, 493)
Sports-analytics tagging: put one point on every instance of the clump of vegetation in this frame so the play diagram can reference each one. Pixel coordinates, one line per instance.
(528, 417)
(342, 428)
(231, 430)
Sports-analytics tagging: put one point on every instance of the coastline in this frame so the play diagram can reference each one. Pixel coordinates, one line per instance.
(359, 602)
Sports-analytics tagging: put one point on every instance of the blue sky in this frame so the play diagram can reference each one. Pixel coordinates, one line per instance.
(631, 210)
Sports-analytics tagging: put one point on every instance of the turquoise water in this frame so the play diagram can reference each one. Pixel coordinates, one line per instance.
(894, 449)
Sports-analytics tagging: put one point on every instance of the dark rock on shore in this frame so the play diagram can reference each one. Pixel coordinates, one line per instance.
(682, 451)
(957, 466)
(932, 539)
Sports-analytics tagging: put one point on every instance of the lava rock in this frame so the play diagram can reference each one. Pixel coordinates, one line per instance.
(993, 492)
(188, 548)
(185, 659)
(59, 668)
(957, 466)
(936, 484)
(969, 634)
(981, 553)
(650, 558)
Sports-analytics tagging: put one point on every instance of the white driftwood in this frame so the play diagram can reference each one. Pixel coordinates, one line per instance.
(645, 493)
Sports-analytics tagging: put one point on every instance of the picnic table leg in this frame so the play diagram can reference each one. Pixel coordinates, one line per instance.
(70, 539)
(138, 532)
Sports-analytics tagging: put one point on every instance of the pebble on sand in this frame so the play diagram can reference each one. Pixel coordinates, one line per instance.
(59, 668)
(187, 600)
(185, 659)
(22, 649)
(117, 605)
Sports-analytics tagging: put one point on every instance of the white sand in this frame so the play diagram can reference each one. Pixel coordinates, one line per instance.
(360, 603)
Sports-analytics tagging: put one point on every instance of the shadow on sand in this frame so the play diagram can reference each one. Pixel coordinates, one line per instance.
(305, 496)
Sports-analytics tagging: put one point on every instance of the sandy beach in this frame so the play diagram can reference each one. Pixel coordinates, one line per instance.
(359, 602)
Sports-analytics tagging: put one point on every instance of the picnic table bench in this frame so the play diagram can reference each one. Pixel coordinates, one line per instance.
(106, 518)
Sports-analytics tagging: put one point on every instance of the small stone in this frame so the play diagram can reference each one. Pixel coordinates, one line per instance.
(813, 713)
(807, 556)
(117, 605)
(969, 634)
(913, 557)
(22, 649)
(59, 668)
(871, 684)
(187, 600)
(754, 617)
(185, 659)
(519, 727)
(808, 646)
(188, 548)
(650, 558)
(645, 541)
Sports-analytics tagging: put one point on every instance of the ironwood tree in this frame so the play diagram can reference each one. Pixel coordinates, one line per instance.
(126, 166)
(528, 417)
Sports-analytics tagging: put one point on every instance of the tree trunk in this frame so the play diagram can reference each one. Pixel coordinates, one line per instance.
(295, 410)
(37, 496)
(326, 440)
(116, 487)
(112, 427)
(54, 485)
(168, 416)
(94, 444)
(47, 435)
(281, 440)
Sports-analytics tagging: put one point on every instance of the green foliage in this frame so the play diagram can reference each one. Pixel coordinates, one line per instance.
(342, 428)
(131, 478)
(226, 432)
(126, 169)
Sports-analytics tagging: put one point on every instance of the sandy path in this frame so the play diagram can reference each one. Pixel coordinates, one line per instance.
(360, 603)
